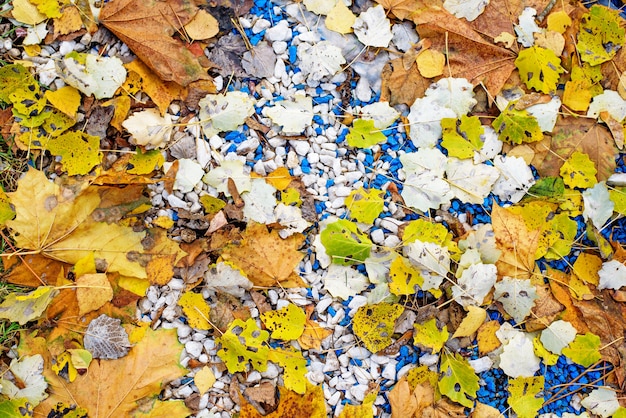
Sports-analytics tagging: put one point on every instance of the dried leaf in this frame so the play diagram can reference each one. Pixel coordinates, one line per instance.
(106, 338)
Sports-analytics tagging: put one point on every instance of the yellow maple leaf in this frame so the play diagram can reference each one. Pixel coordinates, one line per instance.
(93, 291)
(266, 258)
(128, 386)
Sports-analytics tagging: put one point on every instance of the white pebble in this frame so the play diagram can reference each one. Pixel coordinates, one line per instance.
(280, 32)
(378, 236)
(176, 202)
(316, 376)
(389, 372)
(261, 25)
(193, 348)
(183, 331)
(253, 377)
(271, 372)
(332, 363)
(358, 353)
(358, 391)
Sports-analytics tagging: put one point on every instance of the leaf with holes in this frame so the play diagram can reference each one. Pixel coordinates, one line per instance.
(430, 336)
(365, 205)
(600, 36)
(294, 367)
(459, 382)
(374, 324)
(517, 297)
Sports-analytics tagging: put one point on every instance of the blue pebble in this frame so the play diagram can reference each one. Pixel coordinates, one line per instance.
(174, 216)
(305, 166)
(331, 311)
(330, 182)
(404, 351)
(318, 119)
(255, 39)
(293, 54)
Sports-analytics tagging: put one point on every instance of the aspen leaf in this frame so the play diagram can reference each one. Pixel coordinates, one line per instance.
(294, 115)
(374, 324)
(345, 243)
(294, 367)
(517, 126)
(360, 411)
(320, 60)
(19, 407)
(145, 162)
(204, 379)
(66, 99)
(430, 336)
(93, 291)
(372, 28)
(600, 36)
(473, 320)
(598, 205)
(458, 381)
(430, 63)
(557, 336)
(558, 21)
(211, 205)
(578, 171)
(381, 113)
(26, 12)
(425, 121)
(196, 310)
(425, 187)
(79, 151)
(106, 338)
(161, 92)
(425, 231)
(25, 307)
(527, 27)
(517, 297)
(612, 275)
(219, 113)
(29, 382)
(602, 402)
(364, 134)
(223, 277)
(6, 212)
(584, 350)
(93, 74)
(516, 178)
(474, 284)
(365, 205)
(405, 279)
(234, 169)
(526, 395)
(149, 129)
(320, 7)
(470, 182)
(311, 404)
(518, 357)
(343, 281)
(243, 344)
(462, 137)
(609, 101)
(340, 18)
(286, 323)
(265, 258)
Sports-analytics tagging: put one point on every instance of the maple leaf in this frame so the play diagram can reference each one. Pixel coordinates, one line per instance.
(265, 258)
(311, 404)
(119, 387)
(147, 28)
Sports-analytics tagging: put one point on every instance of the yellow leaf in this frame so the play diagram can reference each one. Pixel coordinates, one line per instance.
(549, 358)
(360, 411)
(204, 379)
(202, 26)
(586, 267)
(294, 367)
(164, 222)
(79, 151)
(145, 162)
(161, 92)
(286, 323)
(374, 324)
(132, 284)
(487, 339)
(6, 212)
(69, 21)
(26, 12)
(93, 291)
(196, 310)
(121, 104)
(66, 99)
(430, 336)
(430, 63)
(115, 388)
(25, 307)
(404, 278)
(63, 361)
(473, 320)
(559, 21)
(313, 333)
(279, 178)
(50, 8)
(340, 19)
(578, 171)
(85, 265)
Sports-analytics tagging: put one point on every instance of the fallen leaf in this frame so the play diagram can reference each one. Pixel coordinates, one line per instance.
(374, 324)
(309, 405)
(106, 338)
(161, 92)
(25, 307)
(204, 379)
(202, 26)
(401, 85)
(313, 333)
(93, 291)
(147, 29)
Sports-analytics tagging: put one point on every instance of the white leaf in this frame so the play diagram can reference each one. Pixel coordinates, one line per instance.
(484, 240)
(518, 357)
(601, 402)
(470, 182)
(424, 186)
(149, 128)
(220, 113)
(609, 101)
(428, 159)
(557, 336)
(234, 169)
(100, 76)
(344, 281)
(188, 175)
(515, 178)
(320, 60)
(321, 7)
(612, 275)
(381, 113)
(492, 146)
(320, 251)
(35, 34)
(517, 296)
(292, 114)
(475, 283)
(598, 204)
(432, 260)
(377, 264)
(425, 121)
(225, 278)
(28, 370)
(469, 9)
(291, 218)
(380, 293)
(456, 94)
(527, 27)
(260, 202)
(372, 28)
(546, 113)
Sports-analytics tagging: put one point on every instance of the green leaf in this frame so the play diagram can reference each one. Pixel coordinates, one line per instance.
(243, 343)
(374, 324)
(578, 171)
(517, 126)
(365, 205)
(345, 243)
(430, 336)
(584, 350)
(600, 36)
(547, 187)
(461, 137)
(79, 151)
(145, 162)
(286, 323)
(25, 307)
(539, 68)
(16, 408)
(459, 382)
(557, 237)
(525, 395)
(364, 134)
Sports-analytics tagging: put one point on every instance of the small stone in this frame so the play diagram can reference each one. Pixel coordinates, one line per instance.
(334, 399)
(316, 377)
(332, 363)
(300, 147)
(261, 25)
(342, 191)
(184, 392)
(358, 353)
(253, 377)
(389, 372)
(344, 360)
(279, 47)
(193, 348)
(271, 372)
(280, 32)
(358, 391)
(176, 202)
(378, 236)
(183, 331)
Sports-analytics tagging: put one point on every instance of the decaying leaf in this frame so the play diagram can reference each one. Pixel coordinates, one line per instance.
(106, 338)
(311, 404)
(374, 324)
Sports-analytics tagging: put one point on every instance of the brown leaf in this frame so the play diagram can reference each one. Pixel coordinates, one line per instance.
(403, 403)
(469, 55)
(400, 85)
(263, 395)
(33, 270)
(265, 258)
(405, 9)
(545, 311)
(260, 301)
(147, 27)
(576, 134)
(292, 405)
(616, 128)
